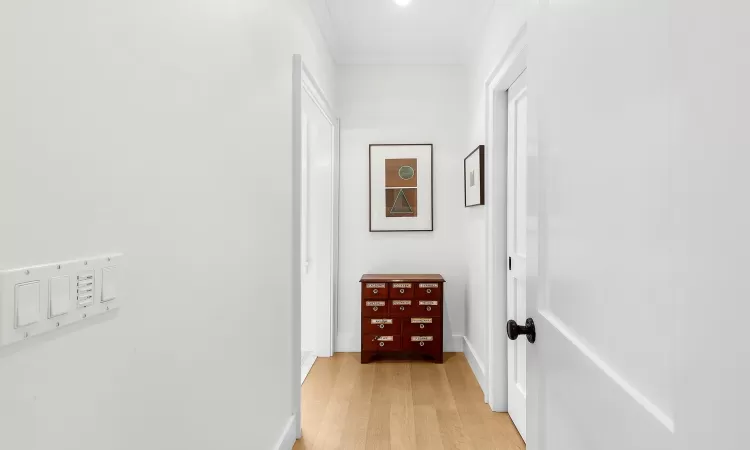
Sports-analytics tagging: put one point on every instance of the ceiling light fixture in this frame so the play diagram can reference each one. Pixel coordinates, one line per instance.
(402, 3)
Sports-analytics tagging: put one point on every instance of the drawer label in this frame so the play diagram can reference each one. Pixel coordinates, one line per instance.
(428, 303)
(419, 320)
(375, 303)
(402, 285)
(381, 321)
(375, 285)
(401, 302)
(421, 338)
(428, 285)
(384, 338)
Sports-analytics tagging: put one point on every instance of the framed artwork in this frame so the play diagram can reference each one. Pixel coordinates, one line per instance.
(474, 178)
(401, 187)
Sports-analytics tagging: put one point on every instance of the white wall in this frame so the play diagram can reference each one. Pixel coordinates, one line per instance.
(502, 26)
(401, 104)
(160, 129)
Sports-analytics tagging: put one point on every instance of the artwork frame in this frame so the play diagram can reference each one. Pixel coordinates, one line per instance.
(473, 169)
(401, 188)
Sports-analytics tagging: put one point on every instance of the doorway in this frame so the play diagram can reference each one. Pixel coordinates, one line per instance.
(316, 220)
(315, 159)
(505, 362)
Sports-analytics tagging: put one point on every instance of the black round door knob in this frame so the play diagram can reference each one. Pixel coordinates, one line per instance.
(514, 330)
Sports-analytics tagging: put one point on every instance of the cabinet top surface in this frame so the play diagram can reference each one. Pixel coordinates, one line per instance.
(369, 278)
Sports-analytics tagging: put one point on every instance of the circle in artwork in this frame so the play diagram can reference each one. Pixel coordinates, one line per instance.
(406, 172)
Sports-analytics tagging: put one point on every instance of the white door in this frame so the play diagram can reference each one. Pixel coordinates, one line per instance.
(516, 230)
(638, 180)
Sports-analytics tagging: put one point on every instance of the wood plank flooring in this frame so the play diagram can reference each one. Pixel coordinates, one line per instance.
(399, 405)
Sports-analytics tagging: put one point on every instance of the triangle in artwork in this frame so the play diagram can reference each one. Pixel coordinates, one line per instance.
(401, 204)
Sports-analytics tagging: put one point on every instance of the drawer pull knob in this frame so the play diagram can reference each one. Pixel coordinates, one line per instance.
(382, 326)
(421, 325)
(374, 291)
(402, 291)
(382, 344)
(402, 308)
(421, 344)
(429, 308)
(374, 308)
(429, 291)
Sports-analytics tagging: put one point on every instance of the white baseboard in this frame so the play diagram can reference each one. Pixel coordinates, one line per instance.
(307, 366)
(477, 366)
(454, 344)
(349, 343)
(288, 437)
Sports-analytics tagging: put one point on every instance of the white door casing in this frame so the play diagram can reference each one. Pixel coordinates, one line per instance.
(508, 69)
(516, 242)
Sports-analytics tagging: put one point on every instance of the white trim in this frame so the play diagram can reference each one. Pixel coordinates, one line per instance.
(303, 80)
(477, 366)
(287, 438)
(454, 344)
(507, 70)
(347, 343)
(307, 365)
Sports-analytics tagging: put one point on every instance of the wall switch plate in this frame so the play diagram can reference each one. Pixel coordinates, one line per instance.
(41, 299)
(59, 296)
(27, 302)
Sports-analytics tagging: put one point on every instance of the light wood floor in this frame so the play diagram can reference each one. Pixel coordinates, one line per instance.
(399, 405)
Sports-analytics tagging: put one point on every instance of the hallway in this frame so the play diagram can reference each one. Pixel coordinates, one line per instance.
(399, 405)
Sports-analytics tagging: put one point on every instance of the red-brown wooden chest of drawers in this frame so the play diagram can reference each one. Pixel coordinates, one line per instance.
(402, 315)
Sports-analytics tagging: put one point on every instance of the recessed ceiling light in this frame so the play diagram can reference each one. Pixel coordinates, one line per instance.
(402, 3)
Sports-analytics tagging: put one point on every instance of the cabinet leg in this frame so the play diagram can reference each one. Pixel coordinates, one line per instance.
(366, 357)
(439, 358)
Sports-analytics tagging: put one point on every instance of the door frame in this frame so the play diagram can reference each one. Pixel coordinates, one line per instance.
(304, 83)
(507, 70)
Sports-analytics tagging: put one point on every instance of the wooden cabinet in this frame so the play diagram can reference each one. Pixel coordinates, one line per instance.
(402, 315)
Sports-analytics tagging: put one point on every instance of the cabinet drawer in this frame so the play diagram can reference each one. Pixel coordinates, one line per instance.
(429, 291)
(401, 307)
(428, 308)
(422, 343)
(377, 343)
(374, 290)
(402, 290)
(423, 325)
(383, 325)
(374, 308)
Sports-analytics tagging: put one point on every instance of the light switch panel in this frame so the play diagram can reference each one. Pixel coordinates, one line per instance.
(45, 298)
(109, 284)
(59, 296)
(27, 303)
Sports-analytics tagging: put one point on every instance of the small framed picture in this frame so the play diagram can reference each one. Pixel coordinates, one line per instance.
(474, 178)
(401, 187)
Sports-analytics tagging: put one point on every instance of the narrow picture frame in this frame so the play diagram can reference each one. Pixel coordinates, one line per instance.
(401, 187)
(474, 178)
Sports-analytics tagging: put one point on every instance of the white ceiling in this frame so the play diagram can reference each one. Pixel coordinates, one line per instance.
(380, 32)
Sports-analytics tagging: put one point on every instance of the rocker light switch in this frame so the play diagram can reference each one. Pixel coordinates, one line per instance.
(109, 284)
(27, 303)
(59, 296)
